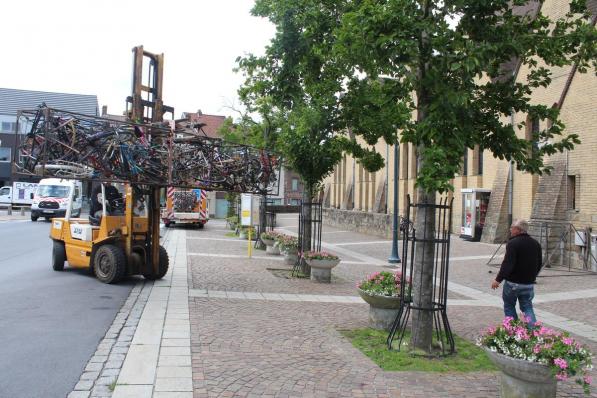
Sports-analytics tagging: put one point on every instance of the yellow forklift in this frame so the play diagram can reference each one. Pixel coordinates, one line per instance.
(119, 240)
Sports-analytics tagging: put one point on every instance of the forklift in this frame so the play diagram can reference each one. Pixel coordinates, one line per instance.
(117, 241)
(125, 239)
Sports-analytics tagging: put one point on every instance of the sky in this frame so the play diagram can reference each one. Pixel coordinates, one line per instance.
(84, 47)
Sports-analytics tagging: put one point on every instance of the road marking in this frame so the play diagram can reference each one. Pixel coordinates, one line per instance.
(274, 258)
(218, 239)
(363, 243)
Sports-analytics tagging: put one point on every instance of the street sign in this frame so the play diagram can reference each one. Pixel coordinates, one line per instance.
(246, 209)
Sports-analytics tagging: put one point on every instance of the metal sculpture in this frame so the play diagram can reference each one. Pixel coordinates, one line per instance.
(70, 145)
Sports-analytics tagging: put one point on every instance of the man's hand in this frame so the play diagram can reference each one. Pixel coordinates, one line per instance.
(495, 284)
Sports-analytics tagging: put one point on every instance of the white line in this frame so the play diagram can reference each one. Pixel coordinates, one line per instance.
(275, 258)
(218, 239)
(363, 243)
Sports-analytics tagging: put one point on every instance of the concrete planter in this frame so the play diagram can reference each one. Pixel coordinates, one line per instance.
(268, 242)
(321, 270)
(523, 379)
(382, 310)
(290, 256)
(272, 249)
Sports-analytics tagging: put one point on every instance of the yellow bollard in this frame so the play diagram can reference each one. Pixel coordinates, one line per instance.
(249, 247)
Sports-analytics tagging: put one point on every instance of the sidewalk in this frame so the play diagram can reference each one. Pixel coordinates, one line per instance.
(234, 326)
(15, 216)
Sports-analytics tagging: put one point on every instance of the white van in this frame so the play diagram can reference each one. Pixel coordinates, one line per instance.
(52, 198)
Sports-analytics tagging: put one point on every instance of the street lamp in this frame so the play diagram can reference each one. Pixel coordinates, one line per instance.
(394, 257)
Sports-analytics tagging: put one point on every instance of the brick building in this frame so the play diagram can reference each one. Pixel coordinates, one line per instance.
(562, 206)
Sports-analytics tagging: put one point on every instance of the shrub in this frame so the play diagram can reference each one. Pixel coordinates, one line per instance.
(287, 242)
(319, 256)
(384, 283)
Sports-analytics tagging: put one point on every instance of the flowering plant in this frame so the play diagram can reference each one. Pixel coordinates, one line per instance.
(320, 256)
(287, 242)
(269, 235)
(517, 339)
(384, 283)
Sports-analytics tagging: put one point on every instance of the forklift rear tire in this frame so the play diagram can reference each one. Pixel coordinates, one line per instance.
(163, 267)
(58, 256)
(34, 218)
(109, 263)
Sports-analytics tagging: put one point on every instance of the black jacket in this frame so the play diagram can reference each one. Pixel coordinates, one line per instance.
(522, 261)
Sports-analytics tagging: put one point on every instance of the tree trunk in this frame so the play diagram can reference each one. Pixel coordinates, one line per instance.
(306, 211)
(422, 320)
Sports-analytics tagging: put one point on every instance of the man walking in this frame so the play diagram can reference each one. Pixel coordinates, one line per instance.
(519, 269)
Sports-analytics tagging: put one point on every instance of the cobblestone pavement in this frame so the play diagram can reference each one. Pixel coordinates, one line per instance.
(285, 346)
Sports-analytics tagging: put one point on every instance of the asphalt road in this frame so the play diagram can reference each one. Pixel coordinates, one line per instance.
(50, 322)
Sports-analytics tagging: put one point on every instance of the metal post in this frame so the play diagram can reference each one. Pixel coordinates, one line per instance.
(394, 257)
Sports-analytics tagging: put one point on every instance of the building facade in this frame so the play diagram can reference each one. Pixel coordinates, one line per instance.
(489, 192)
(12, 101)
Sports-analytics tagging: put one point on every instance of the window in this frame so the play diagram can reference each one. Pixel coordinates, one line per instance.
(572, 192)
(532, 133)
(465, 163)
(8, 127)
(4, 191)
(5, 155)
(295, 184)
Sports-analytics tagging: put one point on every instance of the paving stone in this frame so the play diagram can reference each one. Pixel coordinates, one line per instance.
(90, 375)
(85, 385)
(78, 394)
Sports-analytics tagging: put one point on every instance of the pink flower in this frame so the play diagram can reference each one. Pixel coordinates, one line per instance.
(587, 379)
(562, 376)
(537, 349)
(567, 341)
(561, 363)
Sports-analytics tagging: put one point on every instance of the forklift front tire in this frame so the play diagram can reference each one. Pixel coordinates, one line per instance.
(109, 263)
(34, 218)
(163, 266)
(58, 256)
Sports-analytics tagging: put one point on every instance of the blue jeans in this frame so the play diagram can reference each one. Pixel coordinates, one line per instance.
(524, 294)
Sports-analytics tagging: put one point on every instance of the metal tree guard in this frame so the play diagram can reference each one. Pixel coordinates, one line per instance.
(315, 210)
(441, 242)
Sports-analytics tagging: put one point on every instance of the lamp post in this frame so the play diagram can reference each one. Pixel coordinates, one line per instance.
(394, 257)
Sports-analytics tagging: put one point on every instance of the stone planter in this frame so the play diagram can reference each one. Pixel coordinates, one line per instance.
(523, 379)
(268, 242)
(382, 310)
(272, 249)
(290, 256)
(321, 270)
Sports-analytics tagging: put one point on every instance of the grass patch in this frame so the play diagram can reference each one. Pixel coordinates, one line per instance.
(231, 234)
(372, 343)
(112, 386)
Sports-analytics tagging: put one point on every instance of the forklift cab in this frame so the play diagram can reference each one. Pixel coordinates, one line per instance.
(116, 241)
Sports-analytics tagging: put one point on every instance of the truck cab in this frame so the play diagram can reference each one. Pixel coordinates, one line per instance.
(54, 196)
(17, 194)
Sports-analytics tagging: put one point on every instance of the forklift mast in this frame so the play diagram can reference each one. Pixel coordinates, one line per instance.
(147, 107)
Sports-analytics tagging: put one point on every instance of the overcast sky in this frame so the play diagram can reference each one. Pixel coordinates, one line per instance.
(84, 47)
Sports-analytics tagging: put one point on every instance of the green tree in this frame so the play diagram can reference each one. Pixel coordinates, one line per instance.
(295, 81)
(368, 66)
(448, 62)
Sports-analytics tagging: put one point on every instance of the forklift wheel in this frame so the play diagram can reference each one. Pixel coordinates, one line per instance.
(109, 263)
(163, 266)
(58, 256)
(167, 224)
(34, 218)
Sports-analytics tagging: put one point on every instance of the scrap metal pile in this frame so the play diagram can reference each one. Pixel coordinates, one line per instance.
(70, 145)
(184, 201)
